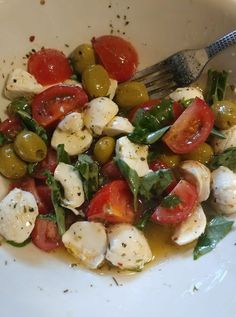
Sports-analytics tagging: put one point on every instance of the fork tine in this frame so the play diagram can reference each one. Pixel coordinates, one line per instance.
(161, 93)
(149, 70)
(163, 76)
(161, 86)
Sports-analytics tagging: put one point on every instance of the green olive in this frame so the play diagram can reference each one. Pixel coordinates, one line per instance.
(203, 153)
(96, 81)
(225, 114)
(131, 94)
(11, 166)
(30, 147)
(104, 149)
(82, 57)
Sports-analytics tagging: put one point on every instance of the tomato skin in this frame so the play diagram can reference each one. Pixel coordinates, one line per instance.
(117, 55)
(10, 127)
(113, 203)
(41, 195)
(49, 66)
(45, 235)
(111, 171)
(145, 106)
(54, 103)
(188, 196)
(48, 164)
(191, 129)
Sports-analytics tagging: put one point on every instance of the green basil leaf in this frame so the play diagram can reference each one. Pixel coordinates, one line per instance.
(50, 217)
(218, 133)
(216, 86)
(141, 224)
(56, 200)
(132, 178)
(215, 231)
(19, 104)
(33, 125)
(19, 245)
(153, 184)
(152, 121)
(31, 167)
(170, 201)
(155, 136)
(89, 171)
(2, 139)
(227, 159)
(62, 155)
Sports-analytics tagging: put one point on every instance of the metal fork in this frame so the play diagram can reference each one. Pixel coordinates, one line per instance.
(181, 68)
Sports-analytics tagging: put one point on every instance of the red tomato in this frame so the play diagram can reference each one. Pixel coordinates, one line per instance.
(44, 194)
(111, 171)
(191, 129)
(117, 55)
(48, 164)
(157, 164)
(45, 235)
(145, 106)
(54, 103)
(11, 127)
(28, 184)
(112, 203)
(49, 66)
(173, 215)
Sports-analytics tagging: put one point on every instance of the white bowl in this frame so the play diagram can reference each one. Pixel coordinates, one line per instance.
(36, 284)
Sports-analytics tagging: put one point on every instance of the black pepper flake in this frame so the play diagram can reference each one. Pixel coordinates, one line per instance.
(15, 81)
(109, 6)
(32, 38)
(126, 22)
(124, 245)
(66, 290)
(118, 16)
(67, 45)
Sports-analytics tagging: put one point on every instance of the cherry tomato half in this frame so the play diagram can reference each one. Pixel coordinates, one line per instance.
(54, 103)
(117, 55)
(191, 129)
(113, 203)
(10, 127)
(45, 235)
(48, 164)
(41, 195)
(49, 66)
(173, 215)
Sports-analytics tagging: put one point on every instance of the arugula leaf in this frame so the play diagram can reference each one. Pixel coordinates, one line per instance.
(2, 139)
(153, 184)
(33, 125)
(89, 171)
(19, 104)
(152, 121)
(218, 133)
(227, 159)
(56, 199)
(170, 201)
(19, 245)
(215, 231)
(132, 178)
(216, 86)
(62, 155)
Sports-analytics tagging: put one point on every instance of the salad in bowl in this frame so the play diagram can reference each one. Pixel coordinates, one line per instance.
(92, 161)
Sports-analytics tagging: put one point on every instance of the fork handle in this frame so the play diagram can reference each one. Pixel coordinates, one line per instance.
(222, 43)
